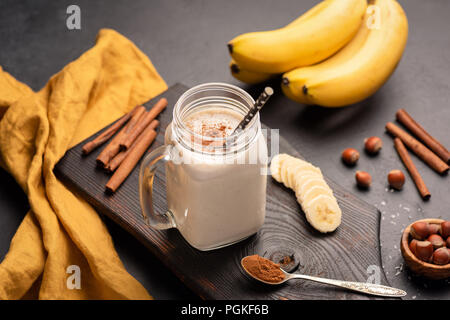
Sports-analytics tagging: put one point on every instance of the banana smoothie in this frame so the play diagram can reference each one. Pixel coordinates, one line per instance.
(216, 189)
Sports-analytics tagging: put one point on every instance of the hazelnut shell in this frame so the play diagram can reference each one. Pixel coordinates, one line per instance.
(412, 246)
(445, 229)
(373, 145)
(396, 179)
(436, 240)
(350, 156)
(419, 230)
(424, 250)
(434, 228)
(363, 179)
(441, 256)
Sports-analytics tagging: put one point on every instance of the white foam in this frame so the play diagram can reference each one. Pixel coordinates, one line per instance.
(213, 122)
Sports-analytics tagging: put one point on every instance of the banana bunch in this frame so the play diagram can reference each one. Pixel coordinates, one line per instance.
(313, 193)
(338, 53)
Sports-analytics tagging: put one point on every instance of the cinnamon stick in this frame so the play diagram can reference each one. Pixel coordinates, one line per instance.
(107, 134)
(113, 147)
(420, 184)
(404, 118)
(130, 161)
(135, 119)
(133, 133)
(117, 160)
(418, 148)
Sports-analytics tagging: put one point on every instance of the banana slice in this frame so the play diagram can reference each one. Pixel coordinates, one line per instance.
(276, 164)
(275, 168)
(323, 213)
(310, 183)
(282, 159)
(294, 171)
(305, 176)
(313, 188)
(290, 167)
(286, 173)
(312, 192)
(315, 191)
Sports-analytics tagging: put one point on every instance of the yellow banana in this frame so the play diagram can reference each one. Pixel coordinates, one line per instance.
(250, 77)
(303, 42)
(254, 77)
(359, 69)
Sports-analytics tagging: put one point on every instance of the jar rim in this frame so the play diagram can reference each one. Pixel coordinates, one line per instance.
(229, 140)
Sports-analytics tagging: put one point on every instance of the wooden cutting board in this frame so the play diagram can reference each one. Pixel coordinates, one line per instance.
(350, 253)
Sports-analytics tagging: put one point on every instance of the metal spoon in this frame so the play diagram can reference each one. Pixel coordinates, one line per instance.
(364, 287)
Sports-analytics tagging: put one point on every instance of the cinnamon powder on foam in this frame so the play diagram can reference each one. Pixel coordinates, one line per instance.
(212, 123)
(263, 269)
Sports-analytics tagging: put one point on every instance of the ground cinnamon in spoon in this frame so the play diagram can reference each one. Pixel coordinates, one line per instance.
(263, 269)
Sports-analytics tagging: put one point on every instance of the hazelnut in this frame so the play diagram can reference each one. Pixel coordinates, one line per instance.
(373, 145)
(396, 179)
(412, 246)
(434, 228)
(447, 243)
(445, 229)
(419, 230)
(441, 256)
(436, 240)
(350, 156)
(424, 250)
(363, 179)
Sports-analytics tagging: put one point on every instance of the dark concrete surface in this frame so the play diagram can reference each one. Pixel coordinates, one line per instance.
(186, 41)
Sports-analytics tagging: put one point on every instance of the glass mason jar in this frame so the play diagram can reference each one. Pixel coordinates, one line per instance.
(216, 195)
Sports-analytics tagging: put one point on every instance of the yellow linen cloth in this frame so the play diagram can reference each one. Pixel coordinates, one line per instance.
(62, 230)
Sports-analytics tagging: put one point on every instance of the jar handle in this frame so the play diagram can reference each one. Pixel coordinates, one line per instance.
(147, 172)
